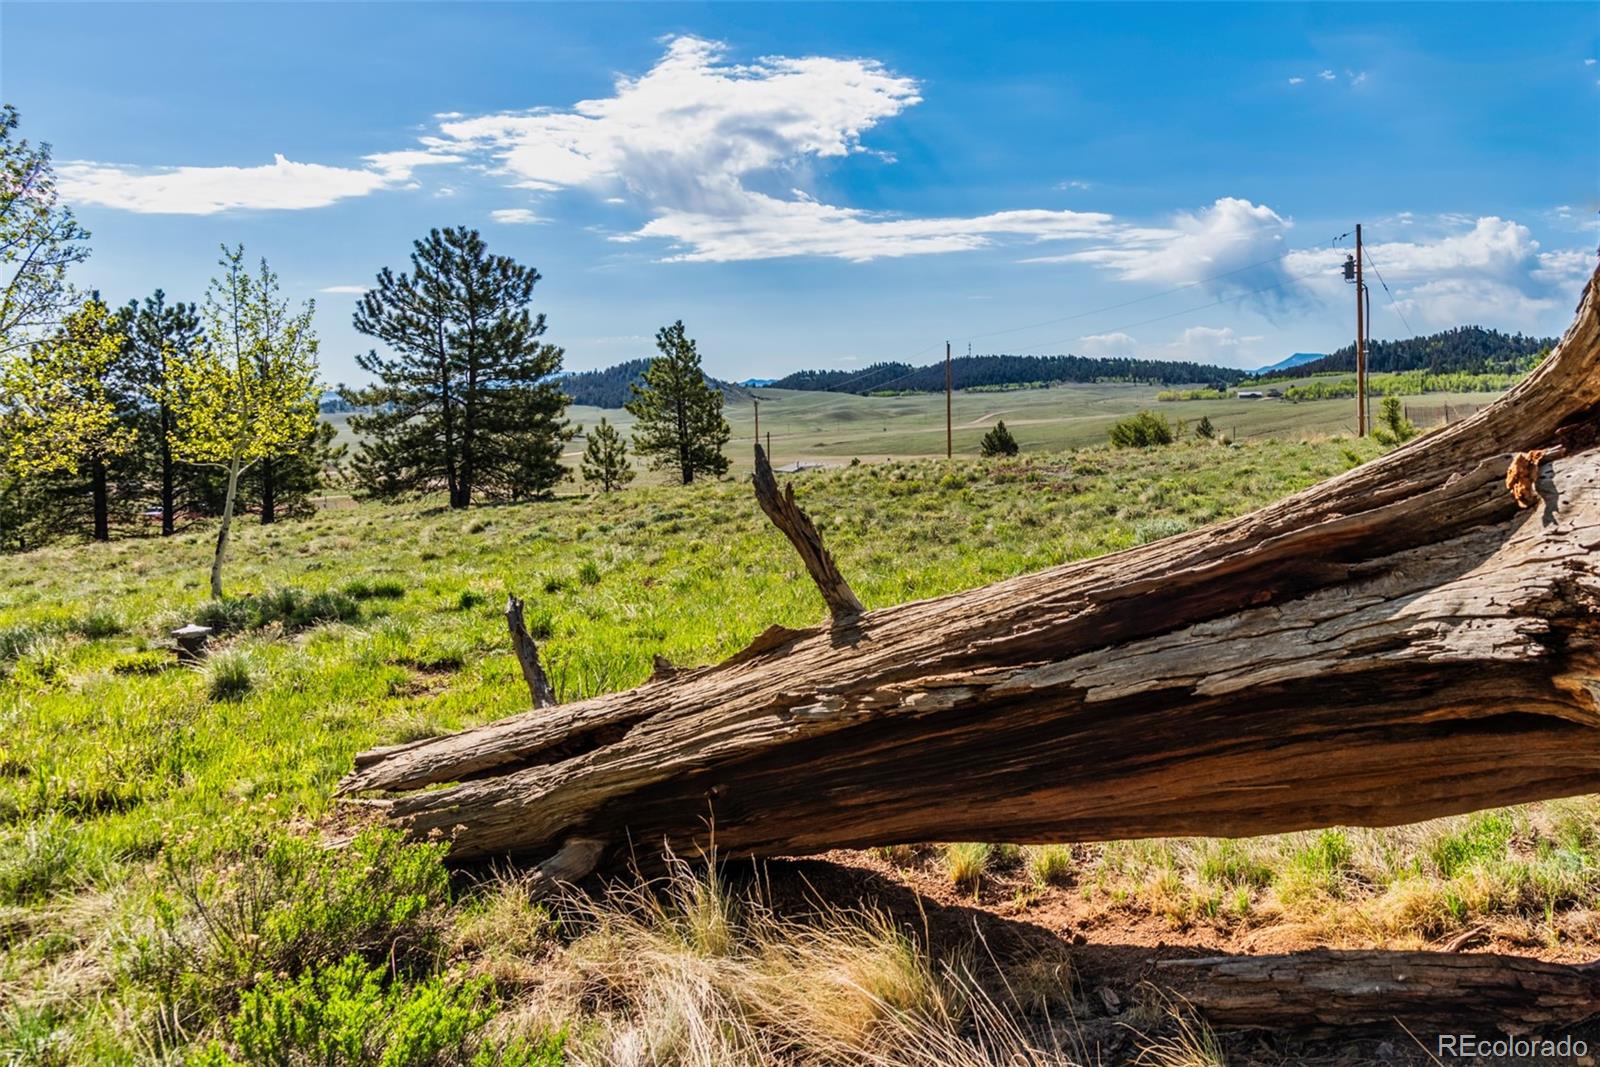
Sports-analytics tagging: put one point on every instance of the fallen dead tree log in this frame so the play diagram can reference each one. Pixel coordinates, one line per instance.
(1428, 992)
(1401, 642)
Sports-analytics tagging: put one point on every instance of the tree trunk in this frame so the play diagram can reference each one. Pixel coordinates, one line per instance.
(269, 503)
(169, 494)
(1402, 642)
(102, 498)
(234, 467)
(1331, 989)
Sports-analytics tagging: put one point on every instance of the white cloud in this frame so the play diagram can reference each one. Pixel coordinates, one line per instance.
(1074, 185)
(1297, 81)
(282, 185)
(1232, 248)
(703, 144)
(1588, 62)
(1326, 75)
(348, 290)
(514, 216)
(1489, 271)
(1106, 344)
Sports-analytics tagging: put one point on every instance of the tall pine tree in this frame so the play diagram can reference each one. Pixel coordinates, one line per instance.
(466, 402)
(156, 335)
(680, 425)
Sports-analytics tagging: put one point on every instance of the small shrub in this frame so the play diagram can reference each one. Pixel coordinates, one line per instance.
(375, 589)
(966, 862)
(589, 572)
(1050, 865)
(1158, 529)
(293, 609)
(42, 859)
(18, 641)
(1204, 429)
(1395, 428)
(97, 624)
(292, 906)
(228, 674)
(469, 599)
(1228, 864)
(149, 661)
(1483, 841)
(1144, 430)
(345, 1014)
(999, 441)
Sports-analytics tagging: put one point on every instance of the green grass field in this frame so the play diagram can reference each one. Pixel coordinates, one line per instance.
(832, 428)
(162, 895)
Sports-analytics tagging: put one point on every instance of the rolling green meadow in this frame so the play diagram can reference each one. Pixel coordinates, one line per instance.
(166, 894)
(819, 427)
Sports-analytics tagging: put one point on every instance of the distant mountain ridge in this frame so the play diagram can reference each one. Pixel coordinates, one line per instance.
(970, 372)
(1296, 360)
(1464, 349)
(608, 387)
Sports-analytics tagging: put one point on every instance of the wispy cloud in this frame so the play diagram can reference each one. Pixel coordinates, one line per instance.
(1297, 81)
(515, 216)
(692, 140)
(347, 290)
(282, 185)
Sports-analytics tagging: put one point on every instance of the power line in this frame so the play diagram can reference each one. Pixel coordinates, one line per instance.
(1198, 307)
(1392, 301)
(1135, 300)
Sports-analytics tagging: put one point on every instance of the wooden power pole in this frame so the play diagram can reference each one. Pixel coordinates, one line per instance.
(756, 400)
(1361, 344)
(949, 445)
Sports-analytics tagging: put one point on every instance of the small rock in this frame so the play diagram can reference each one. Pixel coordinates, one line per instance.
(1109, 998)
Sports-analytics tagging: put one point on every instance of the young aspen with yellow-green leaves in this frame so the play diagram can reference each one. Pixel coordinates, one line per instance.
(61, 415)
(249, 390)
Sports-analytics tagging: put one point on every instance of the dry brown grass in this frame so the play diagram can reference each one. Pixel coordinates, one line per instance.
(685, 971)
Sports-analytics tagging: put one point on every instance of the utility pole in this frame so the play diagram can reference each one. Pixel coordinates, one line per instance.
(1352, 273)
(1361, 340)
(949, 439)
(756, 400)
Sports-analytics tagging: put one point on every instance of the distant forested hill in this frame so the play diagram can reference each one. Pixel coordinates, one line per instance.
(1465, 349)
(608, 387)
(975, 372)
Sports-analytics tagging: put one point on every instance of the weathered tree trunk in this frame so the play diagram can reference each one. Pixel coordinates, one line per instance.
(1401, 642)
(1328, 989)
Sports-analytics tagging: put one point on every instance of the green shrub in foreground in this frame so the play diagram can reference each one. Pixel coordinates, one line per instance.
(291, 906)
(342, 1015)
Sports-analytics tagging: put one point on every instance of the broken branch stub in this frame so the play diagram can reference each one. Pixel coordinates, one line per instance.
(527, 652)
(797, 526)
(1398, 643)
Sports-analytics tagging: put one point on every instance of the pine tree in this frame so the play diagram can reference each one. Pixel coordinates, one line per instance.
(1203, 428)
(605, 460)
(680, 425)
(62, 412)
(1396, 428)
(250, 390)
(466, 402)
(156, 335)
(999, 442)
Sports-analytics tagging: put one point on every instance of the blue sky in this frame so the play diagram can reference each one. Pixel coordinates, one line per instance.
(830, 185)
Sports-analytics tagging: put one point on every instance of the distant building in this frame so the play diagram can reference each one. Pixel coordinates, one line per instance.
(1248, 394)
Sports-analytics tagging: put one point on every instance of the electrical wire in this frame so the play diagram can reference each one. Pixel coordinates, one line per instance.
(1392, 302)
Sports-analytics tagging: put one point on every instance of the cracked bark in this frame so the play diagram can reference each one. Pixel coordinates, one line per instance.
(1401, 642)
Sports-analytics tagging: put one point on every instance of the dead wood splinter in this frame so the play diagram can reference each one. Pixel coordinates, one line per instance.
(802, 533)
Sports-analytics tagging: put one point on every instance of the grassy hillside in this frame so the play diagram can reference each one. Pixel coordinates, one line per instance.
(837, 427)
(162, 894)
(834, 428)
